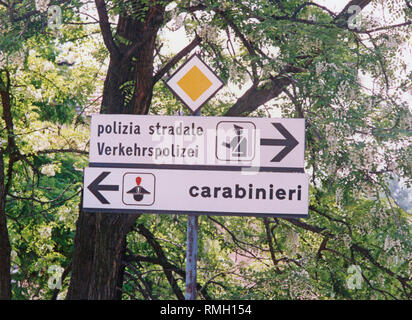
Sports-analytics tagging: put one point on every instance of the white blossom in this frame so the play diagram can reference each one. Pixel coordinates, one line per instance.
(45, 231)
(312, 18)
(42, 5)
(48, 170)
(346, 90)
(389, 243)
(320, 67)
(39, 142)
(292, 242)
(331, 168)
(338, 197)
(17, 59)
(177, 21)
(300, 286)
(332, 138)
(208, 32)
(171, 6)
(233, 71)
(48, 66)
(2, 59)
(346, 239)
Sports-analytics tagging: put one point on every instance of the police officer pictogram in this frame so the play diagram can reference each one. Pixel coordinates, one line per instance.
(138, 191)
(238, 144)
(235, 141)
(138, 188)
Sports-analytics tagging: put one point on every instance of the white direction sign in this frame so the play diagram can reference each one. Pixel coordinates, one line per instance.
(178, 142)
(195, 192)
(194, 83)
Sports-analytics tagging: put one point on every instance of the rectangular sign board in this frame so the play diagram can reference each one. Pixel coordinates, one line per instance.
(223, 143)
(138, 190)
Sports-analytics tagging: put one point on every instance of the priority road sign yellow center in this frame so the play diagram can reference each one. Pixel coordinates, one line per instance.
(194, 83)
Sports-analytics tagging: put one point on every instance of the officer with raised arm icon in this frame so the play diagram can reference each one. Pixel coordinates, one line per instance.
(238, 144)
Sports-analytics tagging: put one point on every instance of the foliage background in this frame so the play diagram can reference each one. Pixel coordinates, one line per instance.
(350, 86)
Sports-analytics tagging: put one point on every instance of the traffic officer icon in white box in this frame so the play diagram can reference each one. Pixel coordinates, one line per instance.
(138, 188)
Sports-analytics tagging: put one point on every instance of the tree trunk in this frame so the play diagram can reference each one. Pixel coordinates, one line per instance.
(82, 260)
(5, 249)
(100, 240)
(107, 268)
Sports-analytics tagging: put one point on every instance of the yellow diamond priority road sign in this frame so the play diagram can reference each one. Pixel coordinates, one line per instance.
(194, 83)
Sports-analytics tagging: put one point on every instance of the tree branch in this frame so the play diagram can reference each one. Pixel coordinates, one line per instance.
(235, 239)
(255, 97)
(363, 251)
(70, 150)
(106, 30)
(33, 12)
(271, 249)
(305, 226)
(8, 119)
(196, 41)
(245, 42)
(146, 291)
(166, 265)
(160, 254)
(404, 24)
(280, 5)
(309, 3)
(342, 18)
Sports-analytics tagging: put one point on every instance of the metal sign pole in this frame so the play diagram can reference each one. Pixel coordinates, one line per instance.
(191, 253)
(194, 70)
(191, 257)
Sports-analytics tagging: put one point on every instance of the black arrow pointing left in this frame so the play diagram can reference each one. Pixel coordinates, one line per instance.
(95, 187)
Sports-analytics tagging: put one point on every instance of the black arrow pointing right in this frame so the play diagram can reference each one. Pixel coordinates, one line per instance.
(289, 142)
(95, 187)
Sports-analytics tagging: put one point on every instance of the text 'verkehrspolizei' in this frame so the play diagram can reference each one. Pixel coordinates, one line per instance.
(169, 149)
